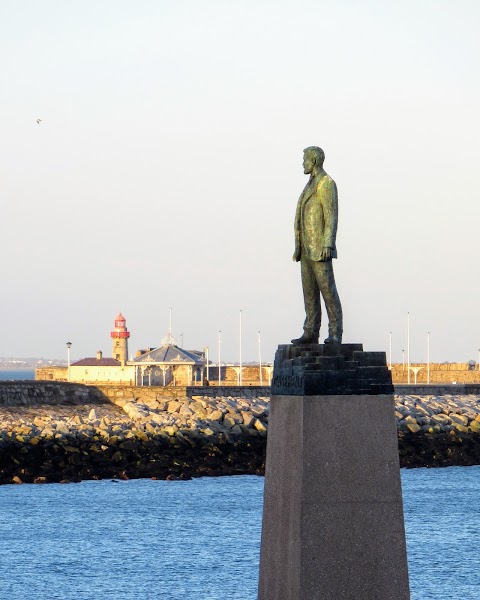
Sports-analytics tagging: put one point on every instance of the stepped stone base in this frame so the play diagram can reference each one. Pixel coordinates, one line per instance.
(333, 516)
(330, 369)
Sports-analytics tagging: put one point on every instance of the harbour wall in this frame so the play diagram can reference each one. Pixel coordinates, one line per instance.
(14, 393)
(440, 373)
(17, 393)
(183, 375)
(437, 373)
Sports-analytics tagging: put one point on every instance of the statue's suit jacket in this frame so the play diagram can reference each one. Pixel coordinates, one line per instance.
(317, 217)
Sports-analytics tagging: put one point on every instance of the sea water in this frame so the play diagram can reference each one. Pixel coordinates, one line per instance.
(22, 375)
(200, 539)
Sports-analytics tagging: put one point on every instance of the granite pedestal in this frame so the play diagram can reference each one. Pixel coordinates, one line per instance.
(333, 524)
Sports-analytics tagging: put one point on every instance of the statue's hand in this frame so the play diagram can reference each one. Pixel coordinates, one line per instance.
(326, 254)
(296, 255)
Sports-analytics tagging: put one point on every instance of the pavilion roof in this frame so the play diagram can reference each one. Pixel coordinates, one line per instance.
(170, 354)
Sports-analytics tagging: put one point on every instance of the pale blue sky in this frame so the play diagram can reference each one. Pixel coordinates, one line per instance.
(167, 167)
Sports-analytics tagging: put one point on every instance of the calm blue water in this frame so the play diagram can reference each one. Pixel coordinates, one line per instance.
(27, 374)
(199, 539)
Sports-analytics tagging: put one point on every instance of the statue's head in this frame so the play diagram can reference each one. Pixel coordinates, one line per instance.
(313, 155)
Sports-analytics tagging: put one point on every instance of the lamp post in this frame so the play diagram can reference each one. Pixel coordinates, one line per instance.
(428, 357)
(403, 360)
(240, 363)
(170, 336)
(206, 357)
(219, 363)
(390, 350)
(260, 358)
(408, 347)
(69, 345)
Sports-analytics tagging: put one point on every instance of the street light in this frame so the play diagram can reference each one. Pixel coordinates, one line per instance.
(390, 350)
(260, 357)
(69, 345)
(408, 348)
(428, 357)
(205, 350)
(219, 363)
(240, 372)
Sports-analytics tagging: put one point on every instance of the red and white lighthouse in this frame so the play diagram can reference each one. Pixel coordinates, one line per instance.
(120, 335)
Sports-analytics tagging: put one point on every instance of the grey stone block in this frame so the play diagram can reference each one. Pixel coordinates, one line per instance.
(333, 516)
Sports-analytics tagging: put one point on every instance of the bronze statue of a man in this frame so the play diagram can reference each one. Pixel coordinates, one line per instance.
(315, 232)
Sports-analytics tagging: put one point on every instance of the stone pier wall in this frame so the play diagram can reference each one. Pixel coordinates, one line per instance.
(440, 373)
(16, 393)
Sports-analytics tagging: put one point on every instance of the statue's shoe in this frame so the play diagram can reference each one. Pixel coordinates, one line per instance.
(305, 339)
(333, 339)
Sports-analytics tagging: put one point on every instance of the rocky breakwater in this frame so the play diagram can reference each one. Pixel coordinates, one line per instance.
(132, 438)
(152, 436)
(438, 431)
